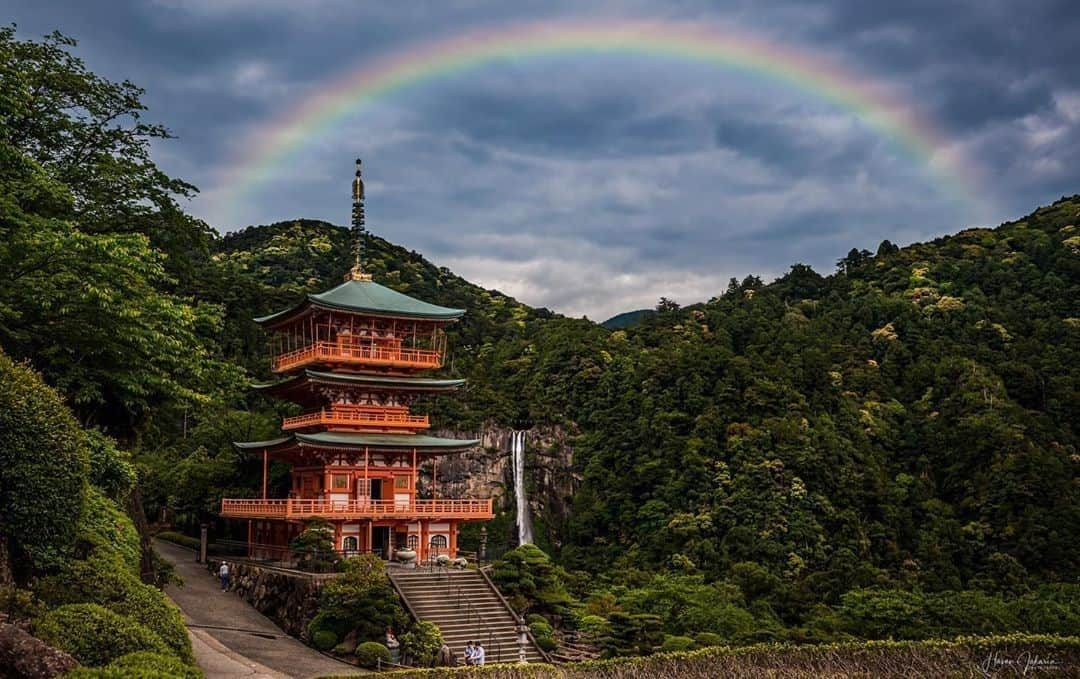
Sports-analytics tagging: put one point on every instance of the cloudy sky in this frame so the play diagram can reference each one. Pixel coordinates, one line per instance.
(594, 182)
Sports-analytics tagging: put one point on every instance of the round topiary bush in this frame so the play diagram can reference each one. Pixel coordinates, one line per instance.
(324, 639)
(706, 639)
(148, 606)
(145, 664)
(102, 579)
(370, 653)
(672, 644)
(96, 636)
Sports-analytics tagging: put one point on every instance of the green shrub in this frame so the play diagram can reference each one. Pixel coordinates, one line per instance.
(144, 664)
(104, 528)
(360, 599)
(179, 539)
(316, 547)
(594, 626)
(19, 604)
(547, 643)
(534, 617)
(370, 653)
(324, 639)
(99, 578)
(674, 643)
(422, 643)
(148, 606)
(541, 628)
(531, 582)
(43, 468)
(102, 579)
(706, 639)
(94, 635)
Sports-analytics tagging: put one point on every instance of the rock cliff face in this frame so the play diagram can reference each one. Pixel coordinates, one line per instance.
(289, 599)
(488, 472)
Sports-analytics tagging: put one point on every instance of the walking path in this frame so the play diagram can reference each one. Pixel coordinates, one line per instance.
(230, 638)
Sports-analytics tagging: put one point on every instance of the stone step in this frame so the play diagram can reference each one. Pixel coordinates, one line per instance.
(457, 625)
(453, 602)
(453, 606)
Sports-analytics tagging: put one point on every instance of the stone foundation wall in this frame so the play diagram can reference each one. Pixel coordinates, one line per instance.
(289, 598)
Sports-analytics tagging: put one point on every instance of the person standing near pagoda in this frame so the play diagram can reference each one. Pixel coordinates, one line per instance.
(223, 574)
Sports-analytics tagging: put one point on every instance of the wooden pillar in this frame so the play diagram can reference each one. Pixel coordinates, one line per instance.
(453, 540)
(434, 477)
(337, 535)
(251, 539)
(367, 481)
(370, 536)
(266, 465)
(414, 477)
(421, 549)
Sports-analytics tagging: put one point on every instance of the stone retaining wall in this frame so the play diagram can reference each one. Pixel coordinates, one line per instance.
(289, 598)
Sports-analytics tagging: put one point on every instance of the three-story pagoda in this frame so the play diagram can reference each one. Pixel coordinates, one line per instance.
(353, 357)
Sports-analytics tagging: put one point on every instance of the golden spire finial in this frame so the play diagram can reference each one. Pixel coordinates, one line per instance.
(356, 273)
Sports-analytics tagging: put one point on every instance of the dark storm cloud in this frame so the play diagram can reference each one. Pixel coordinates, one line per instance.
(599, 184)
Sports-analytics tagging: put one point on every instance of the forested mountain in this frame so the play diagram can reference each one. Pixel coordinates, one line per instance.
(908, 419)
(626, 319)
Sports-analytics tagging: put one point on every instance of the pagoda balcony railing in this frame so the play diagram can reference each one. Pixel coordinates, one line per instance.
(362, 508)
(356, 353)
(352, 416)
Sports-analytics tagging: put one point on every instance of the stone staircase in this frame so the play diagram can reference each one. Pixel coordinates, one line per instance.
(465, 607)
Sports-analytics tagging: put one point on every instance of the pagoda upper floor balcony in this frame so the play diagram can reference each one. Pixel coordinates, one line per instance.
(357, 354)
(362, 508)
(359, 417)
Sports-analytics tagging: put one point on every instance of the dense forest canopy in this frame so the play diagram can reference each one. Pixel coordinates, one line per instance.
(906, 424)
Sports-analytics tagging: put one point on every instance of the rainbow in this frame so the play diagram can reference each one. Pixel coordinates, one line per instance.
(272, 144)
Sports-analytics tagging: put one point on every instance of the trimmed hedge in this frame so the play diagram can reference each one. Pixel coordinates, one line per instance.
(146, 605)
(101, 579)
(324, 639)
(962, 657)
(140, 665)
(96, 636)
(179, 539)
(370, 652)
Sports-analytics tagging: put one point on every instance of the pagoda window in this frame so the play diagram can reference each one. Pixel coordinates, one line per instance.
(401, 483)
(349, 543)
(340, 481)
(438, 541)
(363, 487)
(413, 541)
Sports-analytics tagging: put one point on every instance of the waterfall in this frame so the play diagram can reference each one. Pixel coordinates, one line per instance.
(517, 452)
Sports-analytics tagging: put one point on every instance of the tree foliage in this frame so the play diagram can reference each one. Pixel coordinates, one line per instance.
(43, 468)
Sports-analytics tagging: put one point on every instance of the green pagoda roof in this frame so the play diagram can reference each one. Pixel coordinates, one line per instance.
(351, 379)
(363, 296)
(351, 439)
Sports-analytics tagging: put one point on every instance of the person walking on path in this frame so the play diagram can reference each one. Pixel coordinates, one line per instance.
(223, 573)
(479, 654)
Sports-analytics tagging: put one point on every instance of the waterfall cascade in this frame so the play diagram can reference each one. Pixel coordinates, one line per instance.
(524, 523)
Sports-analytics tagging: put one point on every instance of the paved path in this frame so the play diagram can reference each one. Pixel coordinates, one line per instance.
(230, 638)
